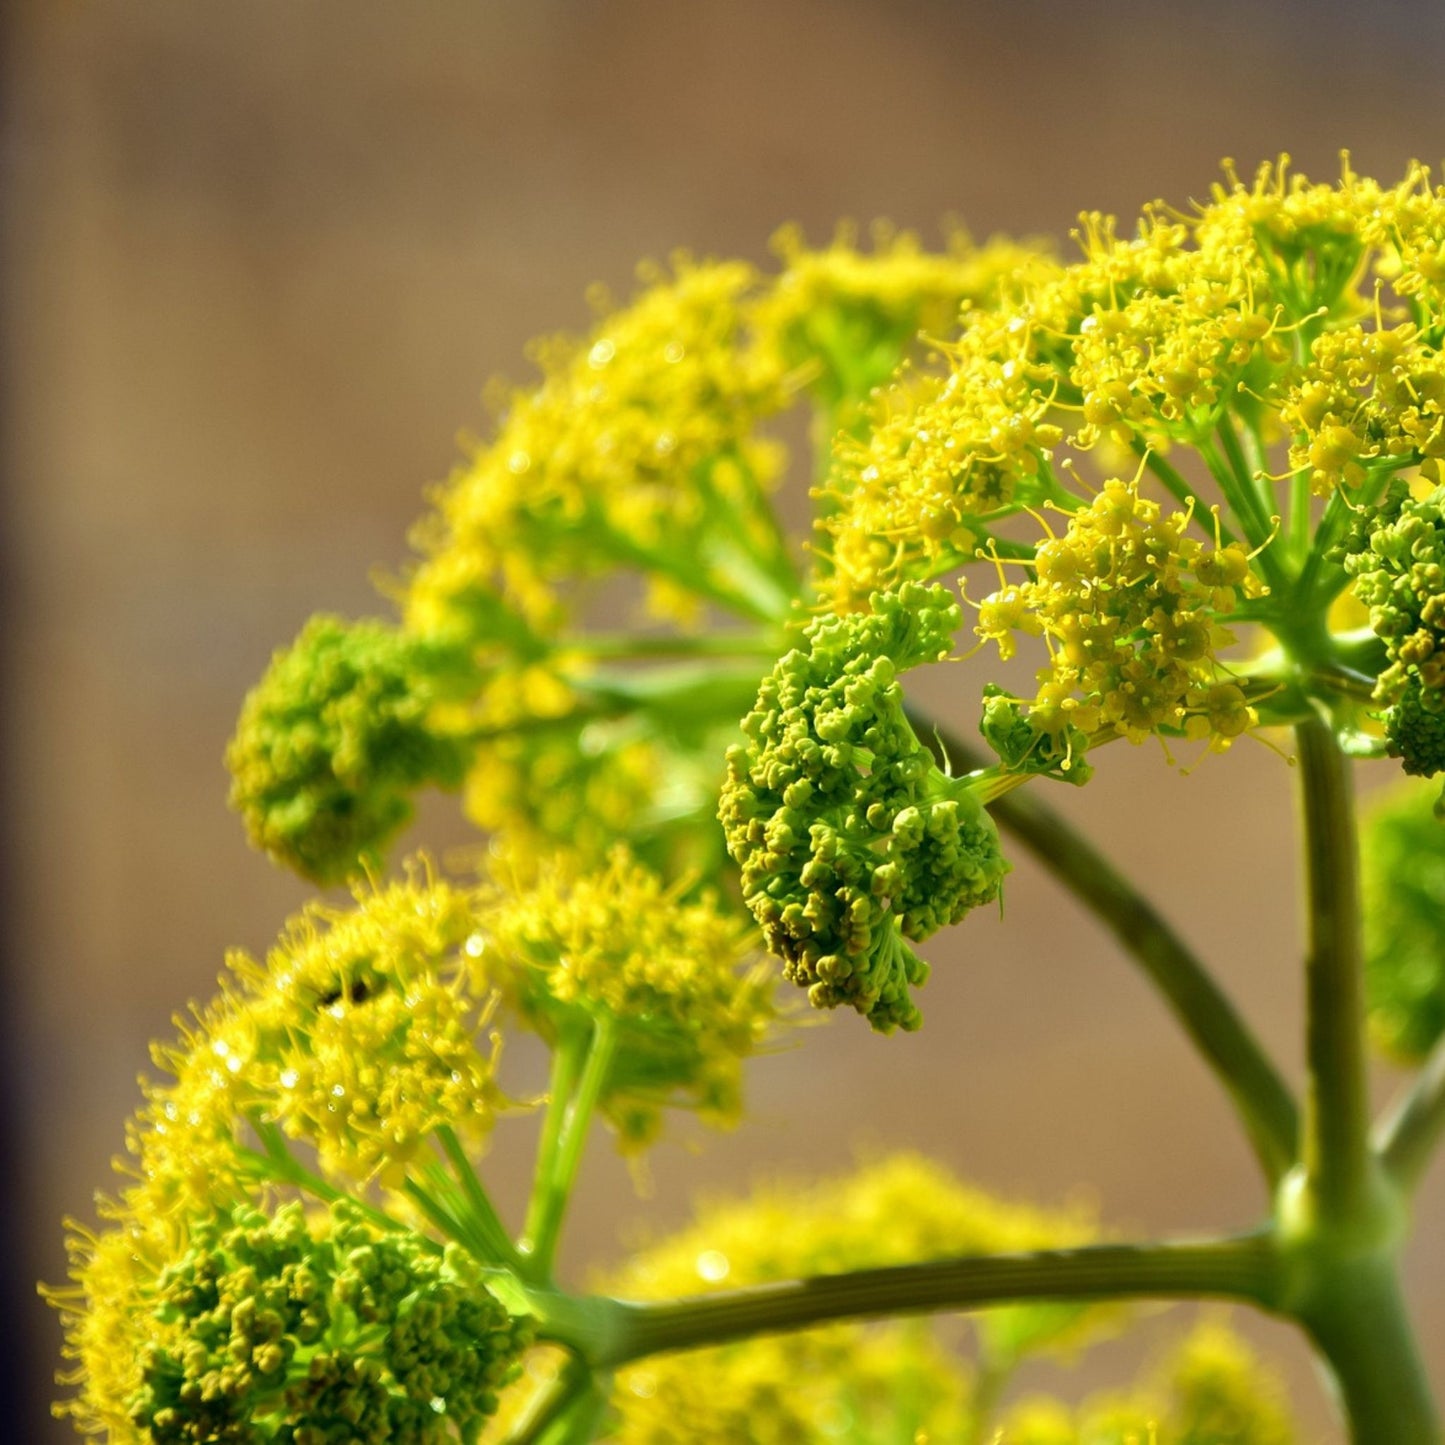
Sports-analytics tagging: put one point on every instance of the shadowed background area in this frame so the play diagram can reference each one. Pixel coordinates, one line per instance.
(260, 261)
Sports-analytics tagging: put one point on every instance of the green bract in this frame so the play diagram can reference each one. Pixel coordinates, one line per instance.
(850, 838)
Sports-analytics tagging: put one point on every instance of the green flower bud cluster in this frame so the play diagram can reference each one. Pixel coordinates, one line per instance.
(1403, 880)
(332, 740)
(270, 1331)
(1398, 564)
(849, 837)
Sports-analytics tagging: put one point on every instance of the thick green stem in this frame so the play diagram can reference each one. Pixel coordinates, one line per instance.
(1358, 1323)
(1411, 1129)
(1336, 1153)
(1240, 1268)
(1260, 1095)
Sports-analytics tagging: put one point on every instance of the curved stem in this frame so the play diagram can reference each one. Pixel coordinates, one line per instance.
(564, 1410)
(1407, 1135)
(1260, 1094)
(1240, 1268)
(1335, 1149)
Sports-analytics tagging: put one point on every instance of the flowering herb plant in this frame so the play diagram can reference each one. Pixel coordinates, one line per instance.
(1194, 476)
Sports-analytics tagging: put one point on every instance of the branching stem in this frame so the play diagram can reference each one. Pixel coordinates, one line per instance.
(1224, 1039)
(1411, 1128)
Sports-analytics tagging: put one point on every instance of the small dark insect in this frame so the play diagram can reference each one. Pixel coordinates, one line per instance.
(357, 991)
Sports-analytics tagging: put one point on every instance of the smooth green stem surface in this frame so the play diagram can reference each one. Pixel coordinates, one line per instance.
(1411, 1130)
(568, 1055)
(1335, 1151)
(1241, 1268)
(564, 1410)
(544, 1219)
(1202, 1009)
(1359, 1325)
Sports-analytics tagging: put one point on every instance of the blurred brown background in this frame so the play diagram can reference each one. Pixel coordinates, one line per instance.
(260, 259)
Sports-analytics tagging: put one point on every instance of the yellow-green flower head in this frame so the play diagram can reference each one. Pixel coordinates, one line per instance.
(864, 1383)
(848, 1384)
(1286, 311)
(334, 739)
(939, 451)
(1211, 1390)
(108, 1327)
(254, 1328)
(849, 837)
(1397, 558)
(370, 1028)
(638, 441)
(362, 1034)
(640, 450)
(841, 317)
(270, 1329)
(1129, 604)
(1403, 857)
(670, 983)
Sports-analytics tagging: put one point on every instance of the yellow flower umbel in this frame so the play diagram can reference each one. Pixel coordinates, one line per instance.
(852, 1383)
(370, 1029)
(1278, 344)
(661, 994)
(1130, 606)
(357, 1039)
(641, 461)
(1210, 1390)
(356, 1068)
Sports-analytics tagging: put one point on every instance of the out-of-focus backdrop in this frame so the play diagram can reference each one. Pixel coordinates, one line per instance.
(260, 260)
